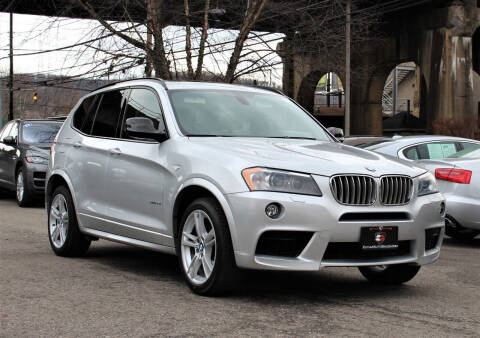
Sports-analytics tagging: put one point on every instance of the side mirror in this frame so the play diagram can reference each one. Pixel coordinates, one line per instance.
(337, 132)
(142, 128)
(10, 140)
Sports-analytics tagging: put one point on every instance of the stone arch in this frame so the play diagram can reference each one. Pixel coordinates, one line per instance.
(306, 91)
(373, 116)
(328, 109)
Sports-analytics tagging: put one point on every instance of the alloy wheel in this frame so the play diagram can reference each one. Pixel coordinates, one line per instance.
(20, 187)
(198, 244)
(58, 221)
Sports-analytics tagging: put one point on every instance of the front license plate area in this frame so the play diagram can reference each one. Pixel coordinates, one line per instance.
(379, 238)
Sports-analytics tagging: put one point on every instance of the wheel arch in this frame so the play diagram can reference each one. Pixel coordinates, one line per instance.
(56, 179)
(196, 188)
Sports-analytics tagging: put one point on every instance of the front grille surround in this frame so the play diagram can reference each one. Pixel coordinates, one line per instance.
(395, 190)
(354, 189)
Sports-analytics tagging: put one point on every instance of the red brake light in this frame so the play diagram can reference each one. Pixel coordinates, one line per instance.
(453, 175)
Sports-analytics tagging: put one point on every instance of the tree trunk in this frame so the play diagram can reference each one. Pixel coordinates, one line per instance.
(251, 16)
(203, 39)
(188, 42)
(155, 25)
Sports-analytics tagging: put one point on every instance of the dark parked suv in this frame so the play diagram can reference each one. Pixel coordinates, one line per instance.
(24, 152)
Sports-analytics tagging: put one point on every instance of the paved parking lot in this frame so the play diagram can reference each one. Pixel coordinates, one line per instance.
(119, 290)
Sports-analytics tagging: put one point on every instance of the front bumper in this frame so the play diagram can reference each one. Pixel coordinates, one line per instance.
(321, 216)
(35, 175)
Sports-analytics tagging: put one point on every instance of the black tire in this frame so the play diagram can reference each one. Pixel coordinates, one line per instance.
(26, 199)
(455, 230)
(75, 244)
(391, 274)
(223, 275)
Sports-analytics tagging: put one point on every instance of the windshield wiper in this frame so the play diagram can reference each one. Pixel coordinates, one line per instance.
(207, 135)
(295, 137)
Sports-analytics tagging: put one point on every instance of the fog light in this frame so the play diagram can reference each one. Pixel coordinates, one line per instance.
(273, 210)
(442, 208)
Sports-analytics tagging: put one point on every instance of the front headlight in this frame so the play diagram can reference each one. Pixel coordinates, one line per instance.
(427, 184)
(264, 179)
(37, 159)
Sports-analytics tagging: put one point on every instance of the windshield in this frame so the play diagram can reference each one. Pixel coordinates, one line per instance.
(242, 114)
(39, 132)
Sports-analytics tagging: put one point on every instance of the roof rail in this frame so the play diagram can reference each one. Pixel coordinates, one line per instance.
(162, 82)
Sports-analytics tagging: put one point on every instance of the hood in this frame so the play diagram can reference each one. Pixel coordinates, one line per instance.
(40, 149)
(313, 157)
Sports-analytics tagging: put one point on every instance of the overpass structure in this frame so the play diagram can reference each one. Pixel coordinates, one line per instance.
(442, 37)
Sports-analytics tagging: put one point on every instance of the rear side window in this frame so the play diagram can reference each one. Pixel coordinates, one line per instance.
(411, 153)
(83, 118)
(108, 114)
(469, 146)
(440, 150)
(431, 151)
(143, 103)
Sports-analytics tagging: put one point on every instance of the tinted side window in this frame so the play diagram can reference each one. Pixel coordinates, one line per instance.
(108, 114)
(411, 153)
(469, 146)
(440, 150)
(83, 118)
(143, 103)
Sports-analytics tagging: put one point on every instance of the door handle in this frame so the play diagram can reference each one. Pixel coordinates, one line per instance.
(114, 151)
(77, 144)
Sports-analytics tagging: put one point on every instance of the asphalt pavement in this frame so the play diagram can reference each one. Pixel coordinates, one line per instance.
(117, 290)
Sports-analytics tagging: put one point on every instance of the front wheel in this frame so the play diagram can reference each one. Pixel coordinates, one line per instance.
(204, 248)
(389, 274)
(63, 233)
(23, 194)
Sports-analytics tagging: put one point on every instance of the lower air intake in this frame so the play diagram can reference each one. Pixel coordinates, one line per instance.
(283, 243)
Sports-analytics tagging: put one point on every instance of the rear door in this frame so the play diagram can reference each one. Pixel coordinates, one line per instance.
(97, 121)
(136, 176)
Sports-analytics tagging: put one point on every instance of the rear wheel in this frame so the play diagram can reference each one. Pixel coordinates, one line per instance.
(63, 233)
(205, 249)
(389, 274)
(23, 193)
(455, 230)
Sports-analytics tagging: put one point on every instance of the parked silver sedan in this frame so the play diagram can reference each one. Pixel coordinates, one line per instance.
(456, 164)
(459, 181)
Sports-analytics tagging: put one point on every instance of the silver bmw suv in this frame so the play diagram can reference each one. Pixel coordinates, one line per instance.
(228, 177)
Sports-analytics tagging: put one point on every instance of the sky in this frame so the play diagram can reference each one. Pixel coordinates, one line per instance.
(38, 33)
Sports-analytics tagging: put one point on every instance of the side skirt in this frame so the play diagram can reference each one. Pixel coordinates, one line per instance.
(129, 241)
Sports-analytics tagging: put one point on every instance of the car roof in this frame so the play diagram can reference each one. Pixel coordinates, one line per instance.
(174, 85)
(414, 139)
